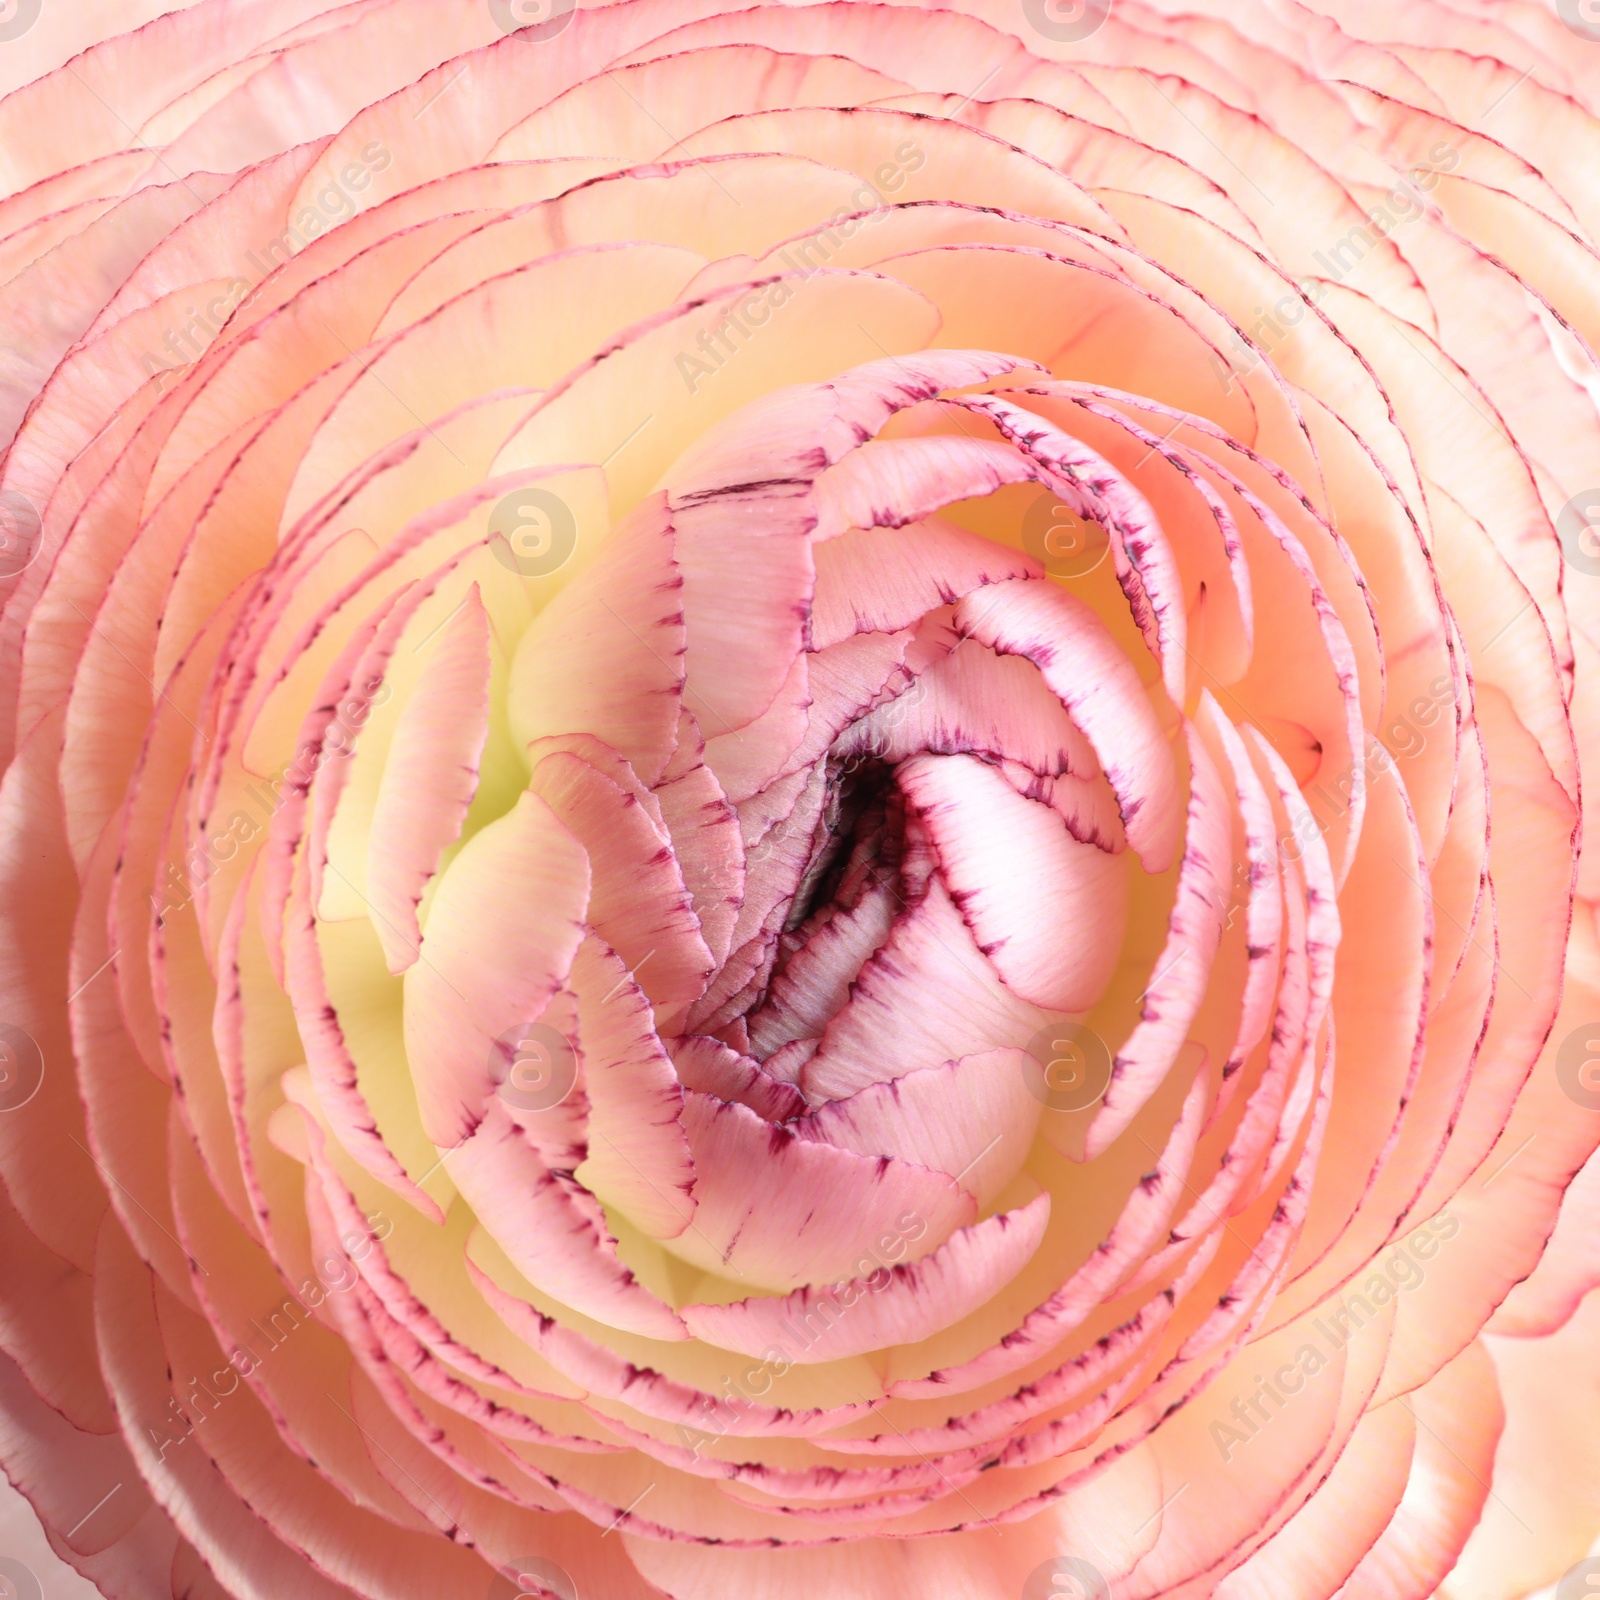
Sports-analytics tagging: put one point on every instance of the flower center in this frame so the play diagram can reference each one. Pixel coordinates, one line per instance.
(859, 843)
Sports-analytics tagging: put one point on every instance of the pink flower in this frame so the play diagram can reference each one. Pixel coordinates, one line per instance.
(794, 798)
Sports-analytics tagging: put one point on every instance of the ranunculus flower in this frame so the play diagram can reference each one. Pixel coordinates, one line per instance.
(794, 798)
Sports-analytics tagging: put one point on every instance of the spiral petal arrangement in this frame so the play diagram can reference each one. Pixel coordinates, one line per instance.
(795, 795)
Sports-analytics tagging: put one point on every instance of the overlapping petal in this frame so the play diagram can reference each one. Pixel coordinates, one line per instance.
(794, 795)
